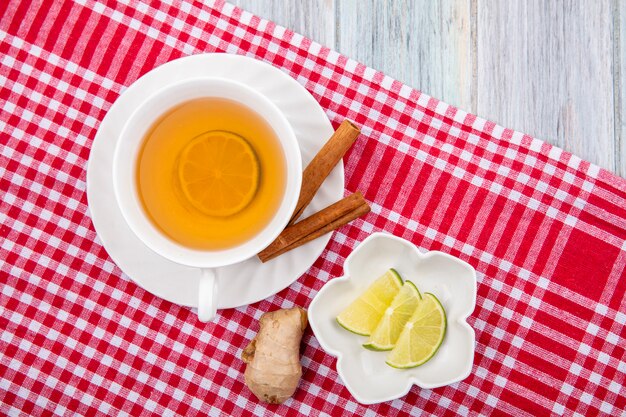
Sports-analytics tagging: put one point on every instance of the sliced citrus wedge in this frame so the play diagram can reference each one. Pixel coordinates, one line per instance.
(422, 335)
(402, 307)
(362, 316)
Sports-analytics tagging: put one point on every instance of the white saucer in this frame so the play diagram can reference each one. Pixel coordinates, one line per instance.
(249, 281)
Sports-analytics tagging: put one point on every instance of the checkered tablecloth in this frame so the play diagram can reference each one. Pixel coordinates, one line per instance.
(545, 230)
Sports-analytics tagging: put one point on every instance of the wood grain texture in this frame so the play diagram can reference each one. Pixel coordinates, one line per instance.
(423, 43)
(546, 68)
(552, 69)
(314, 19)
(619, 86)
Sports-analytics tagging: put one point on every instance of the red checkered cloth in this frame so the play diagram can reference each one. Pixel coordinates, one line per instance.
(545, 230)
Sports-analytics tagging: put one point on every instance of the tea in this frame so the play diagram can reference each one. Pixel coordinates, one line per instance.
(211, 174)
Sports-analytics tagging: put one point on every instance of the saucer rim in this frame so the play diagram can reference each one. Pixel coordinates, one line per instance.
(171, 73)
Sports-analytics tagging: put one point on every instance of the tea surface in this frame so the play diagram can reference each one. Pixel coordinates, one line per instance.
(211, 173)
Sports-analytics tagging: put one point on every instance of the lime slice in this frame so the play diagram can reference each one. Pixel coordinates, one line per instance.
(422, 335)
(402, 307)
(362, 316)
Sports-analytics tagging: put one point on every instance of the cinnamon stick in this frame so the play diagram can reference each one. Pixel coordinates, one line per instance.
(318, 169)
(320, 223)
(354, 214)
(310, 224)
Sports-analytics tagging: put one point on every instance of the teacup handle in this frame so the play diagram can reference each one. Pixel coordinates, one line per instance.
(207, 295)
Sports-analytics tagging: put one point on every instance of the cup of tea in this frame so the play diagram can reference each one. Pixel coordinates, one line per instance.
(207, 173)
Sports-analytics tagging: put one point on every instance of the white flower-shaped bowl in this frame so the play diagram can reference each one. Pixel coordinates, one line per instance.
(366, 375)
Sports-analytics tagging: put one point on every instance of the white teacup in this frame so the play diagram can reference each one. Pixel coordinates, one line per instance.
(127, 194)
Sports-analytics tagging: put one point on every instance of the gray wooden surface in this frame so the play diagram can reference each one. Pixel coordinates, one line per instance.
(554, 69)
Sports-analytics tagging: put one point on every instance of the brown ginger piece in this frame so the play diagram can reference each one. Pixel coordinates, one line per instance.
(273, 368)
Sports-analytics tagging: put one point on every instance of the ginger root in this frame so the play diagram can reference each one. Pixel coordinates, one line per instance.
(273, 368)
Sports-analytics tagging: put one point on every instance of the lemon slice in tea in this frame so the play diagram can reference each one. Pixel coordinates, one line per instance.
(422, 335)
(402, 307)
(218, 173)
(362, 316)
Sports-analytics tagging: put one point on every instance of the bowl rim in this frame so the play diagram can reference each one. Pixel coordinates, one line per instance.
(462, 319)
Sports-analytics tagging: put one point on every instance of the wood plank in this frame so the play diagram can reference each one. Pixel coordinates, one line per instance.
(546, 68)
(423, 43)
(620, 85)
(314, 19)
(554, 70)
